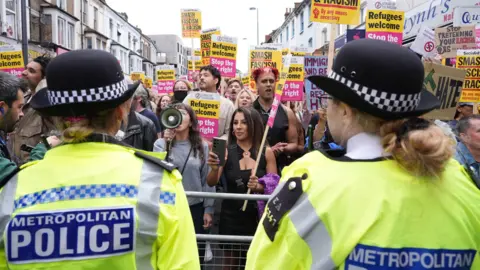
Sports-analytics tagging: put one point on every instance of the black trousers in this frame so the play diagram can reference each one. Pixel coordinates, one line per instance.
(197, 211)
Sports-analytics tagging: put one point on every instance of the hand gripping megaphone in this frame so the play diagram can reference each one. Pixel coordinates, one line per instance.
(171, 118)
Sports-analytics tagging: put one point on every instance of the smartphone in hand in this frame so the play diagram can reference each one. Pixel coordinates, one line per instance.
(219, 147)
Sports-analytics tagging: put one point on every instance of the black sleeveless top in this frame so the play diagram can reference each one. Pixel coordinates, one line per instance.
(278, 133)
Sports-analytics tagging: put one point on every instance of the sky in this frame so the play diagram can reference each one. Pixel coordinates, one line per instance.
(233, 17)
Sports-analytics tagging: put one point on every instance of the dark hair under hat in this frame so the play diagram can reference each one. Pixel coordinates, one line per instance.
(379, 78)
(82, 82)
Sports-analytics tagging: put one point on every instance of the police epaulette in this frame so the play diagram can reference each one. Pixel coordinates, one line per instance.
(166, 165)
(280, 203)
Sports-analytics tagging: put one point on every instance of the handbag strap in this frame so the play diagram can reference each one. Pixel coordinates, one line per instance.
(186, 160)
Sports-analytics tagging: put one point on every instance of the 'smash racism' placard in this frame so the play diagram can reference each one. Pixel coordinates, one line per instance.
(191, 23)
(206, 43)
(207, 108)
(335, 11)
(223, 55)
(469, 60)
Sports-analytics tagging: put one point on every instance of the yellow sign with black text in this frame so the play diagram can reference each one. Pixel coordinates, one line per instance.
(469, 60)
(191, 23)
(206, 43)
(335, 11)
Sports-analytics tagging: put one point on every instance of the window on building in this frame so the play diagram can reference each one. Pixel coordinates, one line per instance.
(131, 66)
(178, 48)
(179, 59)
(129, 41)
(310, 42)
(281, 37)
(85, 12)
(70, 36)
(309, 9)
(104, 45)
(118, 33)
(99, 44)
(114, 52)
(324, 36)
(111, 28)
(286, 33)
(339, 30)
(293, 28)
(95, 18)
(61, 31)
(34, 26)
(11, 11)
(89, 42)
(302, 22)
(62, 4)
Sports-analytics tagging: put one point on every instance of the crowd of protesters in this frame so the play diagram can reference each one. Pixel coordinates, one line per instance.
(25, 135)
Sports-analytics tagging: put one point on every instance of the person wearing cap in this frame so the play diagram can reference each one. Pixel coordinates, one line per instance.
(93, 202)
(395, 200)
(464, 109)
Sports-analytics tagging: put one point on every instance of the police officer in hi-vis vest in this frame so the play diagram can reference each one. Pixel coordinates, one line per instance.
(92, 202)
(395, 200)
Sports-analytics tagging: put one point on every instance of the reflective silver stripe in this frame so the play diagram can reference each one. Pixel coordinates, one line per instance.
(7, 200)
(148, 211)
(313, 232)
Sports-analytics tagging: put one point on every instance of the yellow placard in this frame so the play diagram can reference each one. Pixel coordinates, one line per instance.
(198, 63)
(469, 60)
(285, 51)
(191, 23)
(206, 108)
(148, 82)
(205, 43)
(263, 58)
(386, 25)
(11, 59)
(137, 76)
(245, 80)
(295, 73)
(335, 11)
(222, 47)
(197, 53)
(166, 75)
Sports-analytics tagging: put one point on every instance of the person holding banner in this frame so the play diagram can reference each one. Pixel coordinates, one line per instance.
(389, 202)
(283, 137)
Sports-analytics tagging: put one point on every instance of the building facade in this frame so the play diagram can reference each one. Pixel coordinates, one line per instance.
(176, 53)
(58, 26)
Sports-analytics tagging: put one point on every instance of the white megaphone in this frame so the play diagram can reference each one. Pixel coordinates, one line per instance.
(171, 118)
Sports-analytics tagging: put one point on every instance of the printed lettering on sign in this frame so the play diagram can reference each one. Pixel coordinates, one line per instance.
(67, 235)
(376, 258)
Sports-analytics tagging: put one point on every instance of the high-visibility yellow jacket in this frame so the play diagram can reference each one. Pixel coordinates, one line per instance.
(96, 206)
(373, 215)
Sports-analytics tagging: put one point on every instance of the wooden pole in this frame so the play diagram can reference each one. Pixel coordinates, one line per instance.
(331, 46)
(260, 152)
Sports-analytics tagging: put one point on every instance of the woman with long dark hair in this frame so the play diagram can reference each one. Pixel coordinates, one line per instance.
(189, 154)
(244, 145)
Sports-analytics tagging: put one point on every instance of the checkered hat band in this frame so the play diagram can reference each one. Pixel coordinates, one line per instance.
(390, 102)
(106, 93)
(82, 192)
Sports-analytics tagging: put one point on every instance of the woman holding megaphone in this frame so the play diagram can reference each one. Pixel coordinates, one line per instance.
(189, 154)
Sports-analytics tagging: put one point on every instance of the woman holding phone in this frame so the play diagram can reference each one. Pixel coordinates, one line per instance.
(189, 154)
(243, 148)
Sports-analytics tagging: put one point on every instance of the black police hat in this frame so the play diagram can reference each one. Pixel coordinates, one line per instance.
(380, 78)
(82, 82)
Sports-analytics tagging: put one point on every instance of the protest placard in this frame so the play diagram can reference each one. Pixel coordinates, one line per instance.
(293, 89)
(424, 43)
(335, 12)
(469, 60)
(148, 82)
(246, 80)
(382, 4)
(198, 65)
(191, 23)
(386, 25)
(137, 76)
(205, 43)
(207, 108)
(477, 35)
(223, 55)
(11, 60)
(314, 65)
(450, 39)
(165, 79)
(354, 34)
(279, 87)
(298, 51)
(268, 55)
(197, 52)
(446, 84)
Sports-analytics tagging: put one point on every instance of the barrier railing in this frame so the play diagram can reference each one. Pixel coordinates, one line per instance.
(224, 251)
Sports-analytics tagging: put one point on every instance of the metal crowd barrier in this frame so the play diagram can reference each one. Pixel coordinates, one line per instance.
(224, 251)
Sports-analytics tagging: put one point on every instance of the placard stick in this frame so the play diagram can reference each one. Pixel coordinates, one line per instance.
(331, 46)
(259, 155)
(193, 65)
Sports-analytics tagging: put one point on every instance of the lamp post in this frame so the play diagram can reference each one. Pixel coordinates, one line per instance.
(258, 25)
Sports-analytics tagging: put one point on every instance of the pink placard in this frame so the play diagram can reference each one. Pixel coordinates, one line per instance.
(386, 36)
(14, 71)
(208, 127)
(273, 110)
(165, 87)
(61, 51)
(227, 67)
(293, 91)
(191, 73)
(477, 35)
